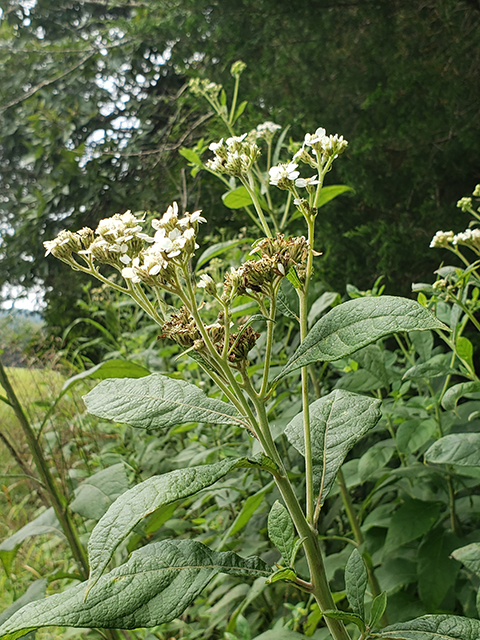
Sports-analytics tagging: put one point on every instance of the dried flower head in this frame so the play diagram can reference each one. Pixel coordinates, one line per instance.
(182, 328)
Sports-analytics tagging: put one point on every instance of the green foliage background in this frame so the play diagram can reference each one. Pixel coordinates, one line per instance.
(397, 79)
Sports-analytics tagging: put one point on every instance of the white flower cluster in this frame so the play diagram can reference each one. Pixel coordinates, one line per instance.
(264, 131)
(172, 244)
(234, 156)
(119, 241)
(442, 239)
(116, 239)
(284, 175)
(323, 146)
(469, 237)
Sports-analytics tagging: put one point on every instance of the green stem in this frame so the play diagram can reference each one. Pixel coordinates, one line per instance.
(251, 192)
(57, 500)
(268, 349)
(313, 553)
(357, 532)
(451, 503)
(303, 312)
(320, 588)
(234, 101)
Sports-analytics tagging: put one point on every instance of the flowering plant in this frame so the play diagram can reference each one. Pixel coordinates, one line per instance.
(161, 579)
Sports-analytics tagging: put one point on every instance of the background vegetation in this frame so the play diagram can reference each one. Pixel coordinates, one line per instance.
(94, 110)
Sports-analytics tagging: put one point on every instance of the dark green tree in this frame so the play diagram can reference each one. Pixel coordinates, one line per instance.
(95, 108)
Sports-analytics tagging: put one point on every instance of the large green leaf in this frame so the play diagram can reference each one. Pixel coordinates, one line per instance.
(469, 556)
(410, 521)
(96, 493)
(36, 591)
(142, 500)
(453, 395)
(457, 448)
(237, 198)
(440, 627)
(337, 421)
(158, 401)
(156, 585)
(437, 571)
(331, 192)
(109, 369)
(356, 323)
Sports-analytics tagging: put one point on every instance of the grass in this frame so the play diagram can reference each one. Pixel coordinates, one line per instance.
(40, 556)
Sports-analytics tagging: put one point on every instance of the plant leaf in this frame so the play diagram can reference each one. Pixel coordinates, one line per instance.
(375, 458)
(280, 634)
(215, 250)
(237, 198)
(281, 531)
(156, 585)
(36, 591)
(356, 323)
(437, 571)
(337, 421)
(191, 156)
(410, 521)
(379, 605)
(109, 369)
(285, 573)
(96, 493)
(436, 367)
(345, 616)
(145, 498)
(439, 627)
(156, 402)
(356, 580)
(453, 395)
(469, 556)
(456, 448)
(249, 507)
(327, 299)
(414, 433)
(331, 192)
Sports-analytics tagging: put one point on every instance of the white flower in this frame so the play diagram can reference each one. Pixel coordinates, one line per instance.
(315, 138)
(468, 237)
(268, 126)
(188, 234)
(235, 140)
(283, 172)
(442, 239)
(306, 182)
(191, 218)
(205, 281)
(215, 146)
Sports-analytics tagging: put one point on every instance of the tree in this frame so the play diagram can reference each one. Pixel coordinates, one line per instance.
(398, 81)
